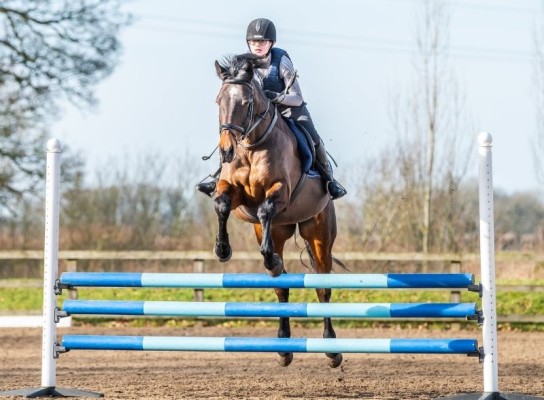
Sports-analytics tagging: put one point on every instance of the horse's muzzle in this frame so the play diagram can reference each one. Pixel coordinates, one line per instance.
(227, 155)
(227, 146)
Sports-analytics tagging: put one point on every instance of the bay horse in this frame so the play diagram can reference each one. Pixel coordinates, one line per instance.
(262, 183)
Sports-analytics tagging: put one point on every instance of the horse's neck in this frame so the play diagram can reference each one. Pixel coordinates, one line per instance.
(275, 159)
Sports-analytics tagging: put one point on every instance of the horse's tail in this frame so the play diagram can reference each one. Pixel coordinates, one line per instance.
(312, 259)
(310, 255)
(340, 263)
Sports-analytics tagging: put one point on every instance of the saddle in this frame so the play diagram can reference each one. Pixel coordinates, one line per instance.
(305, 147)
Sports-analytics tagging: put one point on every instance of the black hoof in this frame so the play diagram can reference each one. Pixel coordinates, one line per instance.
(275, 268)
(220, 256)
(284, 359)
(335, 360)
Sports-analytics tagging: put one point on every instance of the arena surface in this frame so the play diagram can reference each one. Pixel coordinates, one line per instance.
(176, 375)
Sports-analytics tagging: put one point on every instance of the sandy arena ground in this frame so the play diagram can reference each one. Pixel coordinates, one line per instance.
(176, 375)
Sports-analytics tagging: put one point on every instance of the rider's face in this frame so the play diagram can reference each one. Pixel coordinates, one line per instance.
(259, 47)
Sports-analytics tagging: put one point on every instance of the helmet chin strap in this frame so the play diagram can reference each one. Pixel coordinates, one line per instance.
(270, 49)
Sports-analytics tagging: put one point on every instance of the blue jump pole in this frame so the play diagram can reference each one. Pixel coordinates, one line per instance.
(339, 281)
(249, 344)
(226, 309)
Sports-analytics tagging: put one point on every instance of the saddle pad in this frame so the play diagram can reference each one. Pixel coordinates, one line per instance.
(304, 149)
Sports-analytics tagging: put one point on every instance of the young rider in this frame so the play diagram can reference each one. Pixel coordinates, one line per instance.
(278, 79)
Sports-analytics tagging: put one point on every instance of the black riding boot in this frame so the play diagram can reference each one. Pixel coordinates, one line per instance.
(208, 188)
(335, 189)
(322, 162)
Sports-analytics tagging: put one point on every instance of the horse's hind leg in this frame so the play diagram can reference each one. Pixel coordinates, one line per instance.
(279, 235)
(320, 233)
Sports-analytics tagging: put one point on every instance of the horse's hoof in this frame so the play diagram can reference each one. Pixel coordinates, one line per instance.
(336, 360)
(284, 359)
(222, 258)
(276, 267)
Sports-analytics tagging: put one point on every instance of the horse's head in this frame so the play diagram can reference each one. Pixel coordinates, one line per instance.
(239, 100)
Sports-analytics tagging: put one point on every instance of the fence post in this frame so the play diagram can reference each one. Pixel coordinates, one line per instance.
(198, 268)
(455, 268)
(71, 266)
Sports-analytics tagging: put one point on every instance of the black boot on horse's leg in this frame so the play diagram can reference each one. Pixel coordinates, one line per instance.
(222, 248)
(208, 188)
(325, 169)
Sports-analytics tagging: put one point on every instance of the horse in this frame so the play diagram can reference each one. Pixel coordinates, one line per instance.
(262, 183)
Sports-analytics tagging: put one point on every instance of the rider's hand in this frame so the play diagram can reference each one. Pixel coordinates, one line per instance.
(271, 94)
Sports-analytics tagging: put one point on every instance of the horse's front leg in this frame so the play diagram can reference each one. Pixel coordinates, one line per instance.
(225, 198)
(274, 202)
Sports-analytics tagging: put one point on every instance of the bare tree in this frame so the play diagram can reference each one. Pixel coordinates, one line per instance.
(427, 162)
(49, 51)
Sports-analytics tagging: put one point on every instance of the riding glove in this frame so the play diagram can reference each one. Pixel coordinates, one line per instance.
(271, 95)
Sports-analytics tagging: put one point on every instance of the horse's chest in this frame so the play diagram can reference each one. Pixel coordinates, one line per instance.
(250, 177)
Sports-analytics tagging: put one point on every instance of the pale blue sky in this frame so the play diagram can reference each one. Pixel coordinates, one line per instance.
(349, 54)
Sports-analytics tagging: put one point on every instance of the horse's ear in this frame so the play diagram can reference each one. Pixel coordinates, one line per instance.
(220, 71)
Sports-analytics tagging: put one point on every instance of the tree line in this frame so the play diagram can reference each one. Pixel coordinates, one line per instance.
(151, 203)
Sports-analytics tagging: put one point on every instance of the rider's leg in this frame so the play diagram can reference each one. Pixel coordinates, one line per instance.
(209, 187)
(335, 189)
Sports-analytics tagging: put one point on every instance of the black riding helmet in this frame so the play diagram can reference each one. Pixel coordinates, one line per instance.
(261, 29)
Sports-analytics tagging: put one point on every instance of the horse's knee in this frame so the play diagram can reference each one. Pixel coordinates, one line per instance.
(266, 211)
(222, 205)
(272, 262)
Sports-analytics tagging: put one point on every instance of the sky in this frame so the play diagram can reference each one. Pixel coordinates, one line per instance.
(352, 57)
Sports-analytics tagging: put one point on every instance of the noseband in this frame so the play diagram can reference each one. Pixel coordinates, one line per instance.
(249, 125)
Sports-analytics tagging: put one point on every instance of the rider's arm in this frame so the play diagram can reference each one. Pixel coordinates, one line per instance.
(293, 97)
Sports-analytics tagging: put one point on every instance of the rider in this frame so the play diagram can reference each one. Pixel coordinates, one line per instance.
(278, 79)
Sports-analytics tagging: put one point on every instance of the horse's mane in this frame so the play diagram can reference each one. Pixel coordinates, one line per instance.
(240, 67)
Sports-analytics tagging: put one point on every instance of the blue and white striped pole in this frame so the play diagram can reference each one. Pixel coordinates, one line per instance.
(251, 344)
(312, 281)
(258, 309)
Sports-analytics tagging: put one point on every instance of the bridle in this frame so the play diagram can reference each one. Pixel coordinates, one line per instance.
(253, 120)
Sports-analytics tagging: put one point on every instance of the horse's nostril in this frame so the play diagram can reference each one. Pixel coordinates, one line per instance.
(227, 155)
